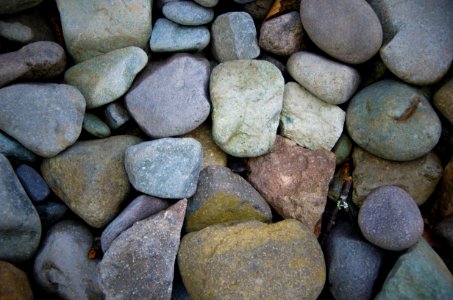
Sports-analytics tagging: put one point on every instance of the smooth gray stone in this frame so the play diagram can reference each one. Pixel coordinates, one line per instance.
(32, 182)
(20, 227)
(95, 126)
(207, 3)
(187, 13)
(168, 36)
(116, 115)
(51, 213)
(62, 266)
(13, 6)
(11, 148)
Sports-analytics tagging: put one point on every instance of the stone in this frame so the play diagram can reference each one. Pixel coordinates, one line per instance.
(168, 36)
(444, 231)
(90, 177)
(93, 28)
(219, 257)
(234, 37)
(20, 228)
(418, 274)
(95, 126)
(50, 213)
(390, 219)
(258, 9)
(39, 60)
(410, 23)
(105, 78)
(32, 182)
(62, 266)
(14, 283)
(330, 81)
(282, 35)
(207, 3)
(11, 148)
(116, 115)
(224, 197)
(170, 98)
(417, 177)
(140, 262)
(443, 205)
(187, 13)
(342, 148)
(28, 114)
(140, 208)
(165, 168)
(353, 264)
(309, 121)
(11, 7)
(246, 98)
(443, 100)
(348, 30)
(276, 62)
(294, 180)
(392, 120)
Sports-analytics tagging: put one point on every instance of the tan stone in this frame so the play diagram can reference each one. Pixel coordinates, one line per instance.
(443, 100)
(14, 283)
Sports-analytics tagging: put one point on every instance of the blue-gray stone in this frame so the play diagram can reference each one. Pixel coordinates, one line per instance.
(35, 186)
(20, 227)
(187, 13)
(51, 213)
(95, 126)
(168, 36)
(393, 121)
(11, 148)
(116, 115)
(13, 6)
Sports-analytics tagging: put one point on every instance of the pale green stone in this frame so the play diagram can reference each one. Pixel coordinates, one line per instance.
(95, 126)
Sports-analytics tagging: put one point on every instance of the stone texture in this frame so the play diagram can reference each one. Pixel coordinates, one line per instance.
(418, 274)
(420, 23)
(390, 219)
(347, 30)
(294, 180)
(393, 121)
(62, 266)
(443, 205)
(28, 114)
(14, 284)
(93, 28)
(234, 37)
(20, 228)
(308, 121)
(233, 262)
(140, 262)
(207, 3)
(95, 126)
(90, 177)
(444, 231)
(32, 182)
(10, 7)
(342, 148)
(11, 148)
(171, 97)
(116, 115)
(258, 9)
(39, 60)
(106, 77)
(187, 13)
(282, 35)
(51, 213)
(328, 80)
(165, 168)
(247, 98)
(443, 100)
(224, 197)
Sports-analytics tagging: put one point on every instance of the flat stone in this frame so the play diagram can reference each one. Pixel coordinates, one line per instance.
(294, 180)
(20, 228)
(342, 148)
(28, 114)
(62, 266)
(32, 182)
(444, 231)
(105, 78)
(13, 6)
(168, 36)
(348, 30)
(390, 219)
(165, 168)
(26, 27)
(90, 177)
(93, 28)
(141, 261)
(443, 100)
(418, 274)
(443, 205)
(282, 35)
(393, 121)
(11, 148)
(247, 98)
(170, 98)
(219, 257)
(116, 115)
(51, 213)
(328, 80)
(309, 121)
(234, 37)
(223, 196)
(39, 60)
(187, 13)
(207, 3)
(14, 283)
(417, 177)
(410, 23)
(140, 208)
(95, 126)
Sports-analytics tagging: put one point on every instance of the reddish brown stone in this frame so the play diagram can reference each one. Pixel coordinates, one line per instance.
(294, 180)
(14, 283)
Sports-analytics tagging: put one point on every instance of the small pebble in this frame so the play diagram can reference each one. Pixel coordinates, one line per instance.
(95, 126)
(35, 186)
(116, 115)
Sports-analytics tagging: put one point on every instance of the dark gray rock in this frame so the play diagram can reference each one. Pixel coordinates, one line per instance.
(51, 213)
(444, 230)
(62, 266)
(187, 13)
(258, 9)
(35, 186)
(13, 6)
(116, 115)
(171, 97)
(11, 148)
(20, 228)
(390, 219)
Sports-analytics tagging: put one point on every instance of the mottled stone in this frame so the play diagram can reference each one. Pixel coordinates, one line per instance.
(187, 13)
(258, 9)
(443, 100)
(207, 3)
(14, 284)
(170, 97)
(294, 180)
(11, 148)
(32, 182)
(140, 262)
(13, 6)
(309, 121)
(90, 177)
(247, 98)
(444, 201)
(116, 115)
(444, 231)
(106, 77)
(27, 27)
(393, 121)
(261, 261)
(95, 126)
(342, 148)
